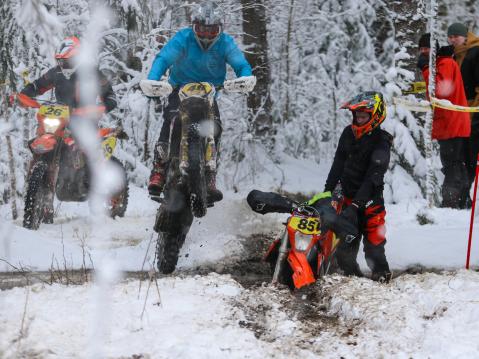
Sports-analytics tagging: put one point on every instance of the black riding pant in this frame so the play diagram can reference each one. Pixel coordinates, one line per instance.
(455, 188)
(371, 225)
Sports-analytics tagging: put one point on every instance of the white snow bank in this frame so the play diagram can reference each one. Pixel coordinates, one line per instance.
(428, 315)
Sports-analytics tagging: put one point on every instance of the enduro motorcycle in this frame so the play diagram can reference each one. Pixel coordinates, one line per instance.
(304, 249)
(60, 168)
(191, 153)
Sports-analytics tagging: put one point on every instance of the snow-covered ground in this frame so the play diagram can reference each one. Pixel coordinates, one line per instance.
(416, 316)
(428, 315)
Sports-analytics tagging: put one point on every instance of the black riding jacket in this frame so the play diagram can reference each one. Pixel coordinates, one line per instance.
(360, 165)
(66, 90)
(470, 72)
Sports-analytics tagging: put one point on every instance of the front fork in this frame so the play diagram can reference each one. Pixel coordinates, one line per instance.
(210, 150)
(282, 254)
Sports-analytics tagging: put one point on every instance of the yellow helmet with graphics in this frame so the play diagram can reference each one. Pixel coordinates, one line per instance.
(370, 102)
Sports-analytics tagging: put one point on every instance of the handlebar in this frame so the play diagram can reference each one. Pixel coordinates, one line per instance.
(27, 101)
(89, 111)
(306, 210)
(153, 88)
(33, 102)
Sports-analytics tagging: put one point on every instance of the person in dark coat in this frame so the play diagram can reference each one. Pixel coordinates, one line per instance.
(360, 163)
(450, 128)
(466, 54)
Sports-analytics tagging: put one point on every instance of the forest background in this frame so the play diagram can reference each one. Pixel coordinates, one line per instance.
(309, 56)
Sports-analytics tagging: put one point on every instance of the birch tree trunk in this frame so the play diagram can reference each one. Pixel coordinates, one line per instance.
(430, 182)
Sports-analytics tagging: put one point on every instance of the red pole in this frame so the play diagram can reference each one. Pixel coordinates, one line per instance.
(471, 225)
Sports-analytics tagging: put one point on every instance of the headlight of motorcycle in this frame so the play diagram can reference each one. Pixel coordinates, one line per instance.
(301, 241)
(51, 124)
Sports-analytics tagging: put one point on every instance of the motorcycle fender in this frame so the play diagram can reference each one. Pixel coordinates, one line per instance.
(302, 273)
(43, 144)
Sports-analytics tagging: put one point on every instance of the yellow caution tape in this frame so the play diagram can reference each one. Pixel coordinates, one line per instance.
(416, 87)
(446, 105)
(415, 106)
(425, 106)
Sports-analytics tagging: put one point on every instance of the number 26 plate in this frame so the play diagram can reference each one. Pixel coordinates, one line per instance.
(52, 111)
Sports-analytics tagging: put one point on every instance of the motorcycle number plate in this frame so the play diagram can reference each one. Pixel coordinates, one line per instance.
(108, 146)
(197, 89)
(54, 111)
(305, 225)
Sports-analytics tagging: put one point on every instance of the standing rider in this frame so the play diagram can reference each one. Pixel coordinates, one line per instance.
(196, 54)
(360, 163)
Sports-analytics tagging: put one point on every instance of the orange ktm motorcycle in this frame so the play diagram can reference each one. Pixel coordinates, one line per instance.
(59, 167)
(304, 250)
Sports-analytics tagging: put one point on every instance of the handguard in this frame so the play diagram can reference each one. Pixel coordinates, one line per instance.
(152, 88)
(242, 84)
(269, 202)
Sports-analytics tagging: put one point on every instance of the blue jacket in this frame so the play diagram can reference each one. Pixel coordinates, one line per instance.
(190, 63)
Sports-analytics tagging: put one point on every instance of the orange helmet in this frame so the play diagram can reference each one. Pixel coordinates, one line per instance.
(370, 102)
(65, 53)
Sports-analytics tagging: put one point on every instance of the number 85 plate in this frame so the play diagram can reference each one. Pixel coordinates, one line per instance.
(308, 225)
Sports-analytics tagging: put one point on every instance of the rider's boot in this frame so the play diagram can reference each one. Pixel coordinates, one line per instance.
(376, 260)
(214, 194)
(157, 179)
(160, 168)
(346, 255)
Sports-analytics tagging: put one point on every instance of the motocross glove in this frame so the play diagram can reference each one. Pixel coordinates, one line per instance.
(152, 88)
(243, 84)
(319, 196)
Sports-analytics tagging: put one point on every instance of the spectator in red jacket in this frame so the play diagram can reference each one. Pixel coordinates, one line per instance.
(450, 128)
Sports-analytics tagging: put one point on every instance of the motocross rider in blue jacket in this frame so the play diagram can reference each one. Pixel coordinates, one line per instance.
(196, 54)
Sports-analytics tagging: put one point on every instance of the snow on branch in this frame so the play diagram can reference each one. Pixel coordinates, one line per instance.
(37, 21)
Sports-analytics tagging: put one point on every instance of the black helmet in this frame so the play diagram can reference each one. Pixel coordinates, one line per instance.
(207, 24)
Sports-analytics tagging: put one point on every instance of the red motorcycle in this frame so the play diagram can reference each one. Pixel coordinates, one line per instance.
(59, 167)
(304, 250)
